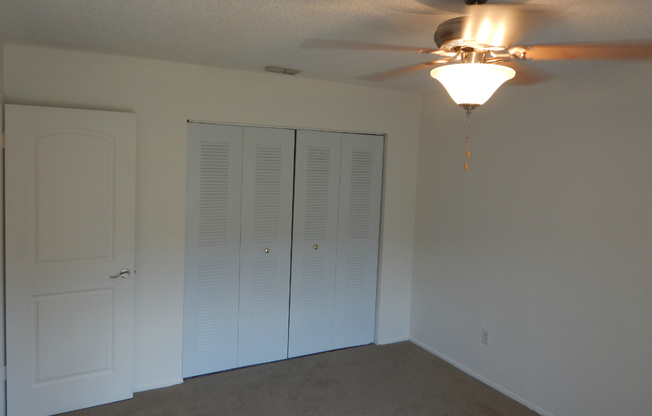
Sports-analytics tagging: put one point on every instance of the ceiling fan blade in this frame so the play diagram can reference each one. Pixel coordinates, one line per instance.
(392, 73)
(347, 44)
(588, 51)
(420, 11)
(526, 74)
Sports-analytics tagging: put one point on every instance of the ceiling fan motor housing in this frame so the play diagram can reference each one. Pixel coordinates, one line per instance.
(466, 34)
(448, 35)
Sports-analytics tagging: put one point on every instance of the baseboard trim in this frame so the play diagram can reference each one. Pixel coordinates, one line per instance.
(486, 381)
(145, 387)
(391, 341)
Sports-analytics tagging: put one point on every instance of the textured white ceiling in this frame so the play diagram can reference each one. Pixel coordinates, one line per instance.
(252, 34)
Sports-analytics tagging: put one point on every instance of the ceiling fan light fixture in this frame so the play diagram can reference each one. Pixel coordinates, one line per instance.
(472, 84)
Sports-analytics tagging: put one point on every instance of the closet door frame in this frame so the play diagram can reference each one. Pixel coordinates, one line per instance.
(342, 335)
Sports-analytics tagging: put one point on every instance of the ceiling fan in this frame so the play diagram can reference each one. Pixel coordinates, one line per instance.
(476, 53)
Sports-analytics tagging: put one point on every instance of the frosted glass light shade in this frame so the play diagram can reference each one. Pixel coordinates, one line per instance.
(470, 83)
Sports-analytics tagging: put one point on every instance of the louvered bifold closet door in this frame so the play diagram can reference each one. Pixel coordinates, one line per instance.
(358, 234)
(268, 167)
(211, 283)
(314, 241)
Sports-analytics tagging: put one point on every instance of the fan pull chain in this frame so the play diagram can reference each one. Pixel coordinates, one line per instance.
(468, 139)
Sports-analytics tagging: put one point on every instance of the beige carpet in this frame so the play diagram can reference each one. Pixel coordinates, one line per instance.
(395, 379)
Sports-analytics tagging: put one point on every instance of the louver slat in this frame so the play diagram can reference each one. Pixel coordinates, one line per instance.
(211, 307)
(360, 191)
(214, 193)
(267, 193)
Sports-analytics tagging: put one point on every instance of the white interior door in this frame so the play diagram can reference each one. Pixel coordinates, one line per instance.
(70, 199)
(314, 241)
(212, 274)
(268, 166)
(357, 239)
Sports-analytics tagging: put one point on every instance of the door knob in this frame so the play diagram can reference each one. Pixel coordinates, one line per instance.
(123, 273)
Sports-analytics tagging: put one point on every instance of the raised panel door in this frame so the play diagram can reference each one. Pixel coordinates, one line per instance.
(70, 201)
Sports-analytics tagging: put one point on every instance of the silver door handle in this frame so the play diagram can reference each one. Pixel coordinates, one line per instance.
(123, 273)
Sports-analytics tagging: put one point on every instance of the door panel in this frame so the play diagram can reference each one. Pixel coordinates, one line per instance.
(358, 235)
(87, 314)
(211, 284)
(86, 222)
(314, 241)
(70, 198)
(268, 167)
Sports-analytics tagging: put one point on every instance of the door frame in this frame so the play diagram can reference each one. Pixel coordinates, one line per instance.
(3, 373)
(383, 138)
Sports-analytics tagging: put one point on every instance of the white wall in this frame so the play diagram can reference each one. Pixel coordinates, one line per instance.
(164, 95)
(546, 240)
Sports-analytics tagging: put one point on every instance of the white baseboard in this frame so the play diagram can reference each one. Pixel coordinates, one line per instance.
(145, 387)
(391, 340)
(477, 376)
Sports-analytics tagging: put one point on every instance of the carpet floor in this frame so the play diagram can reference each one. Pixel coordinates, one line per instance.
(394, 379)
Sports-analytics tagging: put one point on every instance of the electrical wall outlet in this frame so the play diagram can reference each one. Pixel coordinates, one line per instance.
(485, 336)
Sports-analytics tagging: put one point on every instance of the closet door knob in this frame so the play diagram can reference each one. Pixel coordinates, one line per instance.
(315, 246)
(266, 250)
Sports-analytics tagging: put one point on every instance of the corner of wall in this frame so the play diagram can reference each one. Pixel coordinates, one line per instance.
(482, 379)
(2, 239)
